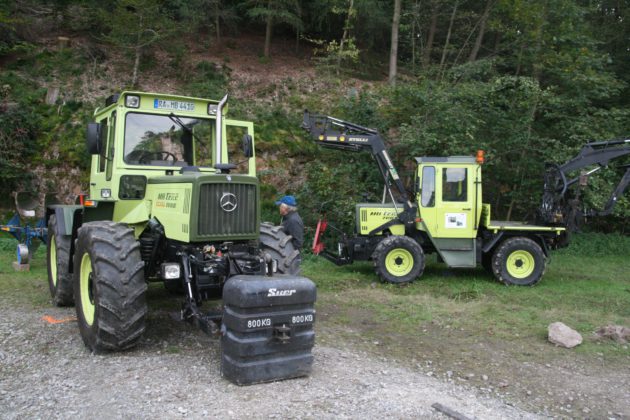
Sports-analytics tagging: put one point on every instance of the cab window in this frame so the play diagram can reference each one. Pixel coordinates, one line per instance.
(427, 195)
(167, 140)
(454, 184)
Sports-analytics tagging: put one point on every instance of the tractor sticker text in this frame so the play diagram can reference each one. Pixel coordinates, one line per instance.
(167, 200)
(384, 214)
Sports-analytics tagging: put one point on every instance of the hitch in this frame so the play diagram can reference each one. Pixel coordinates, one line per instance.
(190, 311)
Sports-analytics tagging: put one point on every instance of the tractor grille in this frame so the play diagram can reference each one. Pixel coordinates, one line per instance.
(215, 220)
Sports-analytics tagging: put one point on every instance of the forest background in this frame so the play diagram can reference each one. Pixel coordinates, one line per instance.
(529, 82)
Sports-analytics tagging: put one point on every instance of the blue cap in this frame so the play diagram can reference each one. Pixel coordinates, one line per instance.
(289, 200)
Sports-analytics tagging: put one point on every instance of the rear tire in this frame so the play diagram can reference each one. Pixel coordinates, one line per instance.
(109, 287)
(280, 246)
(398, 259)
(518, 261)
(58, 265)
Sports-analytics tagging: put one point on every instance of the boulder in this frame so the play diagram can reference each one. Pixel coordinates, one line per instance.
(618, 333)
(561, 335)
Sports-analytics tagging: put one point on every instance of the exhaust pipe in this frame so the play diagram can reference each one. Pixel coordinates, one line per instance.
(219, 133)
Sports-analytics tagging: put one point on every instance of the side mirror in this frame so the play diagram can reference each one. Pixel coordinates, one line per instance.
(94, 138)
(248, 146)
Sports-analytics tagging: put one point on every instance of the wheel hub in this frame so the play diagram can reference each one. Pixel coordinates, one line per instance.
(399, 262)
(86, 289)
(520, 264)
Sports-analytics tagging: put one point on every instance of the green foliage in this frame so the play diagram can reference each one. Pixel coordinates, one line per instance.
(332, 57)
(335, 188)
(18, 130)
(10, 41)
(597, 245)
(280, 11)
(136, 23)
(208, 81)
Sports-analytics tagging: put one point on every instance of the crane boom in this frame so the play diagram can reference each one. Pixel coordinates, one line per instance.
(560, 206)
(335, 133)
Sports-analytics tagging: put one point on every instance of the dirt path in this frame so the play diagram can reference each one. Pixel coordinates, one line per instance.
(45, 371)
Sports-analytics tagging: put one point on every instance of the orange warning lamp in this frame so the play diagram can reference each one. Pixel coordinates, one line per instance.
(480, 157)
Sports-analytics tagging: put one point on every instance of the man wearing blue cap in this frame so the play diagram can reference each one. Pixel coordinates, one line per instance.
(291, 221)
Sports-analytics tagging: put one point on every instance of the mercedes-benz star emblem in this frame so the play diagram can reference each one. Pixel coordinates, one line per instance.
(228, 202)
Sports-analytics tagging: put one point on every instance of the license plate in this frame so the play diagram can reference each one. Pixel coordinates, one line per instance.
(174, 105)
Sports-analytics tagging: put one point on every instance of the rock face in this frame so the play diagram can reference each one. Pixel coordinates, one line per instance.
(561, 335)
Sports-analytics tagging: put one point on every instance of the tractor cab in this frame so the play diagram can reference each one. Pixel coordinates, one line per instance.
(448, 196)
(138, 136)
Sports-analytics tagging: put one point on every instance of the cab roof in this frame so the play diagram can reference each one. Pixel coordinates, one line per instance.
(119, 100)
(449, 159)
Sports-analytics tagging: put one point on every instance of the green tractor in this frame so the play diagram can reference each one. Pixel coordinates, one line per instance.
(445, 214)
(173, 198)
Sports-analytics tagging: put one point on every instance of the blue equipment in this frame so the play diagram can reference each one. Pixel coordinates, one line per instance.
(22, 227)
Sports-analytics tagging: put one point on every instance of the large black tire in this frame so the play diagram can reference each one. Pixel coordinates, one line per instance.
(398, 259)
(518, 261)
(280, 246)
(58, 265)
(109, 287)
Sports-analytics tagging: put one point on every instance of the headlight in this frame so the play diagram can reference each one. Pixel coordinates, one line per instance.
(170, 271)
(132, 101)
(106, 193)
(212, 109)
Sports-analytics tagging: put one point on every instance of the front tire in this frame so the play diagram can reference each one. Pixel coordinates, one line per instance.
(58, 265)
(280, 246)
(109, 287)
(398, 259)
(518, 261)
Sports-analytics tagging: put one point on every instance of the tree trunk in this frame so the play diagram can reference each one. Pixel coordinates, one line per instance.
(216, 20)
(268, 36)
(268, 31)
(448, 36)
(346, 29)
(298, 32)
(426, 57)
(136, 65)
(393, 53)
(497, 43)
(482, 31)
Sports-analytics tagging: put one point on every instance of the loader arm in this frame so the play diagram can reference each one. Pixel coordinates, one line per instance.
(334, 133)
(558, 205)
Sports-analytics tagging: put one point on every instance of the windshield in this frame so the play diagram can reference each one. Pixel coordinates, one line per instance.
(164, 140)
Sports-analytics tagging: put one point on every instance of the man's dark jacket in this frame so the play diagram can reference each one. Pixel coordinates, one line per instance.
(292, 225)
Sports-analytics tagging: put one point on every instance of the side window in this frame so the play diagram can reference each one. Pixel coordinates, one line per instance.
(428, 187)
(102, 157)
(455, 184)
(235, 148)
(110, 146)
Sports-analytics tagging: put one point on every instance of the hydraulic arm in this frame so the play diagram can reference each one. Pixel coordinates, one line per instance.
(559, 204)
(338, 134)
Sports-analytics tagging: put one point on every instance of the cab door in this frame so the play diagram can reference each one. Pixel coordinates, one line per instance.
(234, 131)
(454, 202)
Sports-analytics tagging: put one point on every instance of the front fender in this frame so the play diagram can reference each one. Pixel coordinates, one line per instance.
(65, 217)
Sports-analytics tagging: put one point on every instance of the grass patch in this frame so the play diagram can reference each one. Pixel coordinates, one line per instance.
(585, 286)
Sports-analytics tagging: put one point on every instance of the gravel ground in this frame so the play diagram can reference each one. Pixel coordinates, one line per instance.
(46, 372)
